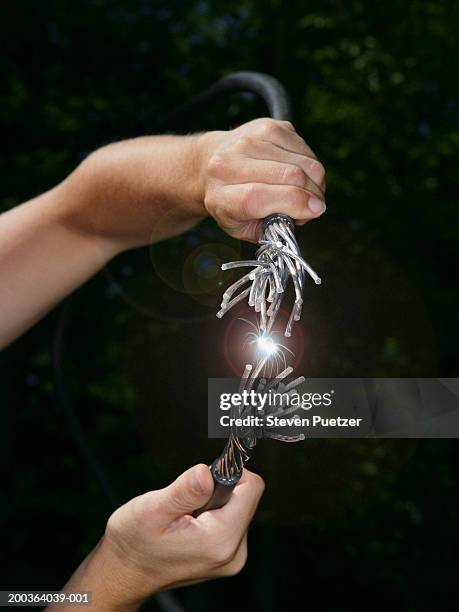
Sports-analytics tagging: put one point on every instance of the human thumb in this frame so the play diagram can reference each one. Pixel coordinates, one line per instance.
(190, 491)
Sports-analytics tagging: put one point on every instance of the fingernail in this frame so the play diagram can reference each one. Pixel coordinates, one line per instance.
(316, 206)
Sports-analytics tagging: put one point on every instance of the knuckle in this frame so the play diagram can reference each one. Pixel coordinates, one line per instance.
(239, 560)
(265, 121)
(236, 566)
(223, 553)
(267, 125)
(294, 196)
(249, 201)
(138, 509)
(288, 125)
(243, 144)
(293, 175)
(215, 163)
(210, 203)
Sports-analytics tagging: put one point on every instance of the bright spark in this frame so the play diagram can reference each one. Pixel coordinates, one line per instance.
(266, 345)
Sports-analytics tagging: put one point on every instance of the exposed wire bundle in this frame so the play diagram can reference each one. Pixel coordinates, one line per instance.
(227, 468)
(277, 260)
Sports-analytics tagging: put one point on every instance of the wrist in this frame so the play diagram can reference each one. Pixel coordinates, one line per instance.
(205, 145)
(142, 190)
(113, 584)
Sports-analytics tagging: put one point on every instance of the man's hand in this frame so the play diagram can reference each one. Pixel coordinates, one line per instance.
(144, 190)
(260, 168)
(154, 543)
(148, 189)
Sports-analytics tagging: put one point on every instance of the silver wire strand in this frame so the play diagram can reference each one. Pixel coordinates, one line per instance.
(278, 260)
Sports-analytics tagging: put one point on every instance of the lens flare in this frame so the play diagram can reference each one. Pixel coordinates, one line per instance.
(268, 351)
(266, 345)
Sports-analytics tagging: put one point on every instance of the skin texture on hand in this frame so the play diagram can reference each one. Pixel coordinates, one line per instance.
(261, 168)
(124, 196)
(144, 190)
(148, 189)
(153, 542)
(137, 191)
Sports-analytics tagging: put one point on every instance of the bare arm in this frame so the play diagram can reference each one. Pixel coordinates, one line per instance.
(122, 196)
(146, 190)
(41, 261)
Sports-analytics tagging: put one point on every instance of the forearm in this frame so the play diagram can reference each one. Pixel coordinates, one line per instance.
(138, 191)
(122, 196)
(110, 586)
(41, 261)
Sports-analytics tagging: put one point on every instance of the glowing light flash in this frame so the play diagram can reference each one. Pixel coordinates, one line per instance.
(267, 349)
(266, 345)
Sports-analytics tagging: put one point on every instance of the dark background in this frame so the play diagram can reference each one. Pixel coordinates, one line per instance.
(345, 523)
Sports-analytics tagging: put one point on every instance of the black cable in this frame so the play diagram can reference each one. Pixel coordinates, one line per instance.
(278, 103)
(270, 90)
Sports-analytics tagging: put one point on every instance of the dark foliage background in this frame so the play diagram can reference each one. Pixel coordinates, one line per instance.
(345, 523)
